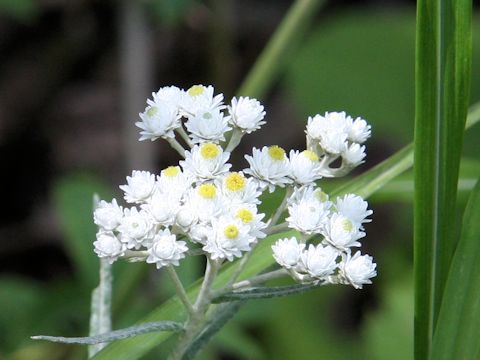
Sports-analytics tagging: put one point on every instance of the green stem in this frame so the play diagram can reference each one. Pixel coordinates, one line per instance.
(176, 145)
(180, 290)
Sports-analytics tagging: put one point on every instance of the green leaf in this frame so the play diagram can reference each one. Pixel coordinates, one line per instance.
(279, 49)
(101, 305)
(265, 292)
(117, 334)
(443, 61)
(458, 326)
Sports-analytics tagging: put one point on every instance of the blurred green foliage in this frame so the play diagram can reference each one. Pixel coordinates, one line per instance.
(360, 62)
(21, 10)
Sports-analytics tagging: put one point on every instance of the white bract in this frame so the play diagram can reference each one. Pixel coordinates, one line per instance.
(205, 162)
(108, 246)
(287, 252)
(358, 269)
(319, 261)
(207, 126)
(201, 204)
(166, 250)
(140, 186)
(108, 215)
(269, 166)
(246, 114)
(158, 121)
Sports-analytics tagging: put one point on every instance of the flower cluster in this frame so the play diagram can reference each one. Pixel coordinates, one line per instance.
(202, 206)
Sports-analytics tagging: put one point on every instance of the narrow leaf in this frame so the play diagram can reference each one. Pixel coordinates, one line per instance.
(279, 49)
(443, 61)
(100, 310)
(117, 334)
(265, 292)
(458, 325)
(221, 316)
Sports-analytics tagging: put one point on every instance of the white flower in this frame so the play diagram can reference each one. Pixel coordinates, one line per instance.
(358, 130)
(239, 190)
(140, 186)
(270, 166)
(230, 237)
(308, 210)
(358, 269)
(248, 214)
(186, 217)
(108, 215)
(200, 97)
(205, 162)
(319, 261)
(305, 167)
(166, 250)
(246, 114)
(108, 246)
(341, 232)
(205, 201)
(329, 131)
(354, 154)
(355, 208)
(169, 94)
(163, 208)
(173, 182)
(158, 120)
(207, 126)
(287, 252)
(136, 228)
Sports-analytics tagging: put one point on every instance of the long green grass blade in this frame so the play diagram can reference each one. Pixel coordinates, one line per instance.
(457, 332)
(279, 49)
(443, 62)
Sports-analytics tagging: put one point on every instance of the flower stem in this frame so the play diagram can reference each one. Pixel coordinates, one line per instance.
(275, 217)
(180, 290)
(176, 145)
(184, 136)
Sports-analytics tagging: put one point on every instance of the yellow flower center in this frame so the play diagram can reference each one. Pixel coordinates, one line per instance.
(245, 215)
(209, 151)
(347, 225)
(196, 90)
(235, 181)
(171, 171)
(207, 191)
(321, 195)
(231, 232)
(310, 155)
(276, 152)
(152, 111)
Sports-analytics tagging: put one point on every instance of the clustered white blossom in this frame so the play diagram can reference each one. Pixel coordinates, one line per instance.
(202, 206)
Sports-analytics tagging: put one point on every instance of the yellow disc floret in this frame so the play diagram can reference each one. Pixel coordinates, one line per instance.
(231, 232)
(347, 225)
(196, 90)
(276, 152)
(321, 195)
(309, 154)
(171, 171)
(207, 191)
(209, 151)
(245, 215)
(235, 181)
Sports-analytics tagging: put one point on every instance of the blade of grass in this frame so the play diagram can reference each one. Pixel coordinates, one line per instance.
(279, 49)
(443, 59)
(458, 329)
